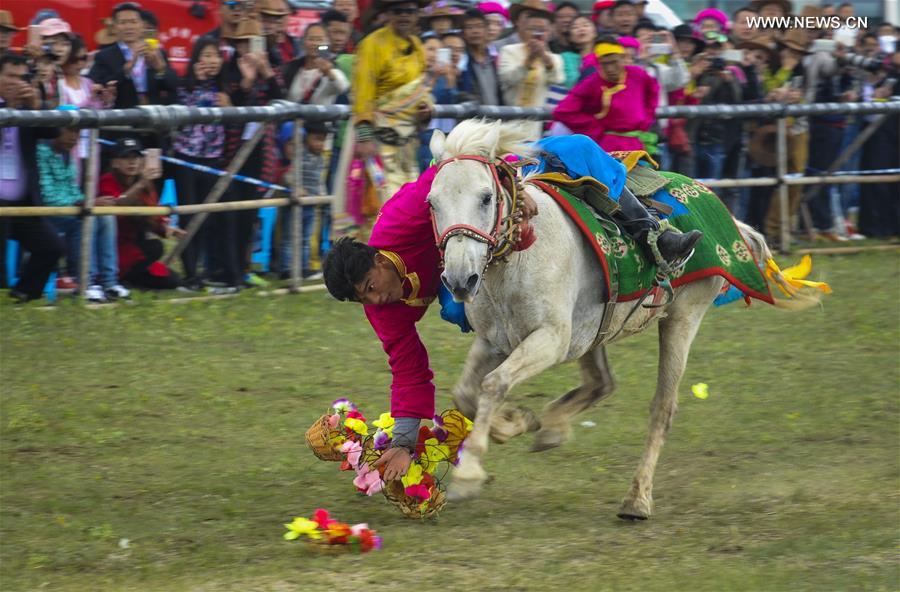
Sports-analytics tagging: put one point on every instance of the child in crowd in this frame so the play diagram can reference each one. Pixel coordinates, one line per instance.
(315, 135)
(59, 187)
(130, 183)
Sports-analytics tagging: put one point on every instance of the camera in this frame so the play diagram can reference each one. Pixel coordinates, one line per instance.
(324, 51)
(869, 64)
(717, 63)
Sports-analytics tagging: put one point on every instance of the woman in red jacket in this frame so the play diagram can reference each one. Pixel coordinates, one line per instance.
(139, 254)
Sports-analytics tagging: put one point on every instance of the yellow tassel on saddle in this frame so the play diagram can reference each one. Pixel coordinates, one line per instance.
(790, 279)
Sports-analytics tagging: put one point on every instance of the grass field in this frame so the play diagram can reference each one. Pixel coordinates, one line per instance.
(179, 427)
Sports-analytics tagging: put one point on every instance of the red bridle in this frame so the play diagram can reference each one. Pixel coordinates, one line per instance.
(494, 239)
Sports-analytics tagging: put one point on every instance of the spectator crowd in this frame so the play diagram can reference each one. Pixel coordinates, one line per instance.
(603, 73)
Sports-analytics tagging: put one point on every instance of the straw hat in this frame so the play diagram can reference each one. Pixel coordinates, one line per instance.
(441, 9)
(245, 29)
(273, 7)
(6, 21)
(531, 5)
(796, 39)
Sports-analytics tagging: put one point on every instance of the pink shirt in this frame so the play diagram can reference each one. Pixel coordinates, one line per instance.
(595, 107)
(403, 232)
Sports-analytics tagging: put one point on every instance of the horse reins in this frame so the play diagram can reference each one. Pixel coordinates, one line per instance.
(501, 239)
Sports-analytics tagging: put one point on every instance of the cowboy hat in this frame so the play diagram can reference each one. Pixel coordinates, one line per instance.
(273, 7)
(380, 5)
(531, 6)
(796, 39)
(245, 29)
(6, 21)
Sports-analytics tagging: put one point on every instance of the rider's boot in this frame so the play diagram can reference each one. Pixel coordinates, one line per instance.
(672, 245)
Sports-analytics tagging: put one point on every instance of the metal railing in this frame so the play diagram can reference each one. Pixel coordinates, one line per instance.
(164, 118)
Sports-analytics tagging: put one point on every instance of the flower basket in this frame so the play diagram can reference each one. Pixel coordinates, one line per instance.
(324, 441)
(413, 507)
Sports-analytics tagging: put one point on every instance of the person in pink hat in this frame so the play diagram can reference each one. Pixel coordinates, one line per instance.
(711, 19)
(497, 19)
(57, 35)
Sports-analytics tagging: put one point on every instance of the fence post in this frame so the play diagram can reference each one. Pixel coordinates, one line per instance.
(296, 209)
(87, 223)
(783, 195)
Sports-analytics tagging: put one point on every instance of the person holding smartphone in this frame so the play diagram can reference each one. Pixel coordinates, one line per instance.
(528, 69)
(129, 182)
(313, 79)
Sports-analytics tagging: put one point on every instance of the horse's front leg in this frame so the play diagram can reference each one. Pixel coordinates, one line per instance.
(482, 359)
(542, 349)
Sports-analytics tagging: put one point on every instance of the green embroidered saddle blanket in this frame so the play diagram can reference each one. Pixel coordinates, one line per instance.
(694, 206)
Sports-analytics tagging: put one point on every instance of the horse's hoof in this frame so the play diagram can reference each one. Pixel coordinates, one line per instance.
(546, 439)
(511, 422)
(460, 490)
(634, 509)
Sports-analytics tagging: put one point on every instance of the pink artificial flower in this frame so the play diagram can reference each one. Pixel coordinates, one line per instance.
(367, 480)
(357, 529)
(321, 517)
(333, 421)
(353, 450)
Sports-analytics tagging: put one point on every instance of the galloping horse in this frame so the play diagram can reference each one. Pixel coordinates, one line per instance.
(543, 307)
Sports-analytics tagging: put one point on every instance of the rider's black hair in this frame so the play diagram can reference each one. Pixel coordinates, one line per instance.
(346, 265)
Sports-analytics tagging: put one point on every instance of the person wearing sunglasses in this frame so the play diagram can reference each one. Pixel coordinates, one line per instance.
(390, 102)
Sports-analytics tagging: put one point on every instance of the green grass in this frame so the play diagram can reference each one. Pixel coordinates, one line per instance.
(180, 428)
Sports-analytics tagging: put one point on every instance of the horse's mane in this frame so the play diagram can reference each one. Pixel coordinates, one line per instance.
(489, 138)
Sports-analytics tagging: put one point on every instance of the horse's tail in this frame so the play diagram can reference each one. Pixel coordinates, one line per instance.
(799, 293)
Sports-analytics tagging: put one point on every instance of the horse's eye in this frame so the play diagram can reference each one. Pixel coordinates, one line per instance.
(486, 199)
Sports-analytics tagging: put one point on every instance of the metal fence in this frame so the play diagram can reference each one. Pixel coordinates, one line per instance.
(166, 118)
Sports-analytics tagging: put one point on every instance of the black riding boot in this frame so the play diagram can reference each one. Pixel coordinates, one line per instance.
(638, 223)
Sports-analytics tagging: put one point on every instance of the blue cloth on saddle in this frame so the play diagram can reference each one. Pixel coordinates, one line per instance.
(452, 311)
(578, 156)
(663, 196)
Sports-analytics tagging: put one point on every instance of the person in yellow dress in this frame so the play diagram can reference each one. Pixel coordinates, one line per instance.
(389, 98)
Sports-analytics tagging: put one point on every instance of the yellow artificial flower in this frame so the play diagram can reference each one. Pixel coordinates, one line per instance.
(700, 390)
(793, 276)
(302, 526)
(386, 423)
(357, 425)
(413, 475)
(435, 452)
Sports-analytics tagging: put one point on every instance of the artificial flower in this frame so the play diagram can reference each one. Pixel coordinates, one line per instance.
(355, 414)
(343, 405)
(302, 526)
(334, 421)
(338, 533)
(368, 540)
(386, 423)
(458, 427)
(413, 475)
(358, 529)
(435, 452)
(424, 434)
(321, 517)
(367, 480)
(357, 426)
(353, 450)
(700, 390)
(381, 440)
(418, 491)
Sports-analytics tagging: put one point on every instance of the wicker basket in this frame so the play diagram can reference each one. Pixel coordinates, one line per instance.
(320, 438)
(410, 506)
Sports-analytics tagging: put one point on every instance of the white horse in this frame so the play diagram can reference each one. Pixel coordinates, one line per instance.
(543, 307)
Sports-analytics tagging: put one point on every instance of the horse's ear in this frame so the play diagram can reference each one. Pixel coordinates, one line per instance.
(437, 145)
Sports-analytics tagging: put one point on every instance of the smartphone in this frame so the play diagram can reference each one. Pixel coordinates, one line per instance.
(34, 35)
(324, 51)
(257, 44)
(734, 56)
(443, 57)
(539, 35)
(657, 49)
(152, 43)
(153, 163)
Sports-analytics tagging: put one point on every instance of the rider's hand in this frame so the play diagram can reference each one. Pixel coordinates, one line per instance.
(395, 461)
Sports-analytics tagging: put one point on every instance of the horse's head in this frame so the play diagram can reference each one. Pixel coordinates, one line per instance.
(469, 205)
